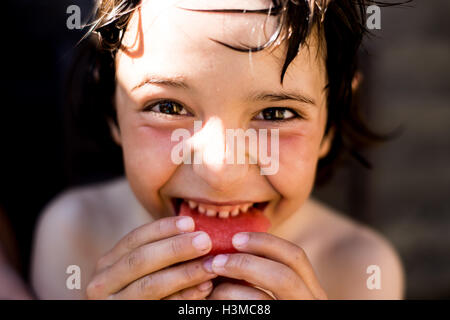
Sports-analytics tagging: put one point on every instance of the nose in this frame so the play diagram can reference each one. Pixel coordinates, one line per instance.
(213, 160)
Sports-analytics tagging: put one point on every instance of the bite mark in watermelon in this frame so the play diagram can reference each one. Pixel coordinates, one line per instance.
(221, 230)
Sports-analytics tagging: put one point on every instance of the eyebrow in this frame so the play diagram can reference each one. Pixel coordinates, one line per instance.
(173, 81)
(181, 83)
(280, 96)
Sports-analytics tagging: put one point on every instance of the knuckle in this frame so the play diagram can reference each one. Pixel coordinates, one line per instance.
(131, 240)
(191, 272)
(146, 285)
(240, 261)
(159, 226)
(177, 246)
(134, 260)
(165, 224)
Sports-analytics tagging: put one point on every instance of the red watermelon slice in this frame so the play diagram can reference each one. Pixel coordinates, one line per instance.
(221, 230)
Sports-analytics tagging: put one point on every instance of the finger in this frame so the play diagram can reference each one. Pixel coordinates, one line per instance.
(199, 292)
(148, 259)
(231, 291)
(278, 249)
(167, 282)
(154, 231)
(276, 277)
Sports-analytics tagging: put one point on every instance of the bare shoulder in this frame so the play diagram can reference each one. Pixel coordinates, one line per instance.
(82, 210)
(69, 232)
(356, 262)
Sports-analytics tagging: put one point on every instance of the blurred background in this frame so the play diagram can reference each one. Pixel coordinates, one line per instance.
(406, 84)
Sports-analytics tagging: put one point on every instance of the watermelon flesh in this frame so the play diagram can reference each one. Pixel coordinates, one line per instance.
(221, 230)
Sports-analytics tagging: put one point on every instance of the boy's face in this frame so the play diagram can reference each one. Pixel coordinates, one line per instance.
(163, 41)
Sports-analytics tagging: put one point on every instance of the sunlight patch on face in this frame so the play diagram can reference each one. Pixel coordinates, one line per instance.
(209, 143)
(225, 4)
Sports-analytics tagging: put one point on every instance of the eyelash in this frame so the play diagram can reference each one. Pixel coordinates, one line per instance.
(296, 114)
(153, 105)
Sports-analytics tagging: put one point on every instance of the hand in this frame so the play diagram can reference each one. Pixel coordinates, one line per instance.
(277, 269)
(142, 264)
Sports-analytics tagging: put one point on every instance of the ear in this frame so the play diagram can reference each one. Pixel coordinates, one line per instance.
(115, 132)
(325, 145)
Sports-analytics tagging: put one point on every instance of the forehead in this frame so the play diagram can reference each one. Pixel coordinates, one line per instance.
(162, 38)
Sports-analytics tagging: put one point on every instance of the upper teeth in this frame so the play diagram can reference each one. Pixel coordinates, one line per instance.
(223, 211)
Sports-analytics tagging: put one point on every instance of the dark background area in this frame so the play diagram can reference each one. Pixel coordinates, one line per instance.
(406, 196)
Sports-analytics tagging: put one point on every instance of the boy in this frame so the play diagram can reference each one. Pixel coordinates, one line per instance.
(161, 66)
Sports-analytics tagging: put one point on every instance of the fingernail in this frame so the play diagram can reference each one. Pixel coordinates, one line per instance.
(220, 260)
(208, 265)
(185, 224)
(240, 239)
(205, 286)
(201, 242)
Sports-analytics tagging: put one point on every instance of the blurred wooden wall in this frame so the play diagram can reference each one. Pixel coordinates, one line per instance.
(407, 194)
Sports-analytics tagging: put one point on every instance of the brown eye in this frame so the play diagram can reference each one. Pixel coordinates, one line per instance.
(167, 107)
(276, 114)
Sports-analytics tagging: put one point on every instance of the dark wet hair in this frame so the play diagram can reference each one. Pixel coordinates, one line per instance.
(341, 29)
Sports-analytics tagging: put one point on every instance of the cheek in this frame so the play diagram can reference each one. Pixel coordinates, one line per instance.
(298, 160)
(147, 160)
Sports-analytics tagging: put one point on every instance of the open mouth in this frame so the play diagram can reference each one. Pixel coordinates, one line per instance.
(222, 220)
(215, 210)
